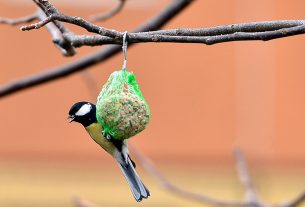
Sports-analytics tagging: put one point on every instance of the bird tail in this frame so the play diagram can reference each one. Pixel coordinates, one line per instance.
(137, 187)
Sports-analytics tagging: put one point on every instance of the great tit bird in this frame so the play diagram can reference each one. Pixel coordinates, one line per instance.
(85, 114)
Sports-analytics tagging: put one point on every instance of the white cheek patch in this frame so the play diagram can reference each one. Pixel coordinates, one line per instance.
(85, 109)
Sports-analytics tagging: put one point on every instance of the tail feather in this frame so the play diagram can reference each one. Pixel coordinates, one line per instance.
(137, 187)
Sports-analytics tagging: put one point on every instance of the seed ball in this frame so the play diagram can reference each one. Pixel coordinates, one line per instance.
(123, 115)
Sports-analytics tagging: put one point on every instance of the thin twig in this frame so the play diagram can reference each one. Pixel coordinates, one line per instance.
(251, 195)
(111, 13)
(57, 37)
(49, 10)
(40, 24)
(20, 20)
(295, 202)
(56, 28)
(54, 15)
(53, 74)
(76, 21)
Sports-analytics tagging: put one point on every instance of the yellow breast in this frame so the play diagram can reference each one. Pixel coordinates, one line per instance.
(95, 130)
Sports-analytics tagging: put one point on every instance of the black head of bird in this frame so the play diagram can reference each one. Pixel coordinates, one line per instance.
(83, 113)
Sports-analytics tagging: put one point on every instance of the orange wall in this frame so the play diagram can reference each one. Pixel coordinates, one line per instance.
(204, 99)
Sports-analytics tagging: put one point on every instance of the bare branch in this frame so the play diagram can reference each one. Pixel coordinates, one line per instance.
(39, 24)
(295, 202)
(235, 32)
(56, 29)
(53, 14)
(57, 37)
(167, 185)
(93, 40)
(248, 27)
(111, 13)
(21, 20)
(49, 9)
(76, 21)
(53, 74)
(245, 179)
(252, 199)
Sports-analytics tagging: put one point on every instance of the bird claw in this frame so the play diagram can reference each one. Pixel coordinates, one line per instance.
(107, 136)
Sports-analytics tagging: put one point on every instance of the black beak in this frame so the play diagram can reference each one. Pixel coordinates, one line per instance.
(71, 118)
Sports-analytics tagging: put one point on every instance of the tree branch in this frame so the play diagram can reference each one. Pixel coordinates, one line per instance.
(248, 27)
(68, 41)
(252, 199)
(251, 195)
(235, 32)
(295, 202)
(53, 74)
(174, 189)
(58, 37)
(94, 40)
(20, 20)
(54, 16)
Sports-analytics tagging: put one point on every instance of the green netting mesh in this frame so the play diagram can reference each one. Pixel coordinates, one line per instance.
(121, 108)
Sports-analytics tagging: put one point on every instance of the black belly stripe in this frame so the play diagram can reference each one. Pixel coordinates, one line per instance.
(118, 144)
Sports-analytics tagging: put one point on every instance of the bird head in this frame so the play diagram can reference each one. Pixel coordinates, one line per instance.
(83, 113)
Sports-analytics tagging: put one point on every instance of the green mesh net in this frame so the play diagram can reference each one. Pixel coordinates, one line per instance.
(121, 108)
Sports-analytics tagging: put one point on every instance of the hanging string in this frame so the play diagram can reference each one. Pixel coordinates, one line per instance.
(124, 47)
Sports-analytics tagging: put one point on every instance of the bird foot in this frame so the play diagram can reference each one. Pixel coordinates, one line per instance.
(107, 136)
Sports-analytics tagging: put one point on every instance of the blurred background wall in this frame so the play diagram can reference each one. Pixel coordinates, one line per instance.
(205, 100)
